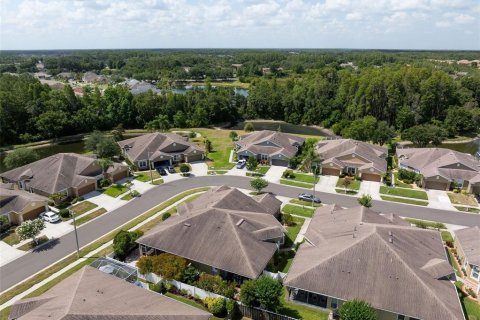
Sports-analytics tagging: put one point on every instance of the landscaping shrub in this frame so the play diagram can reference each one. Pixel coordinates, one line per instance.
(124, 243)
(252, 164)
(209, 282)
(191, 275)
(358, 178)
(215, 305)
(145, 264)
(166, 215)
(293, 162)
(259, 184)
(81, 198)
(407, 176)
(4, 223)
(263, 292)
(365, 200)
(64, 213)
(134, 193)
(342, 175)
(104, 182)
(287, 219)
(169, 266)
(288, 174)
(230, 306)
(357, 310)
(157, 287)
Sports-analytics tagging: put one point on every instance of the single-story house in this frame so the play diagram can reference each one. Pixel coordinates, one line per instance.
(224, 231)
(467, 242)
(275, 147)
(19, 205)
(357, 253)
(440, 167)
(92, 294)
(352, 157)
(70, 173)
(92, 77)
(160, 149)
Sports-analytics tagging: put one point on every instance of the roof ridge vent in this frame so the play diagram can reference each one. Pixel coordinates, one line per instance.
(239, 222)
(186, 224)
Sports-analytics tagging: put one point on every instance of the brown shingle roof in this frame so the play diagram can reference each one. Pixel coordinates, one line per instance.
(447, 163)
(469, 239)
(12, 200)
(357, 253)
(153, 146)
(91, 294)
(332, 150)
(223, 228)
(271, 143)
(56, 173)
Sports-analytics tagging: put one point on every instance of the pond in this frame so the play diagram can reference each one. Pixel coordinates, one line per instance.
(184, 89)
(471, 147)
(284, 127)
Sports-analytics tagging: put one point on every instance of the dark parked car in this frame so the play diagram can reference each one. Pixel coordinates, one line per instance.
(162, 171)
(171, 169)
(309, 197)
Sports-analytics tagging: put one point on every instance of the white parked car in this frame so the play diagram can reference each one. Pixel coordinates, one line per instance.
(50, 216)
(241, 163)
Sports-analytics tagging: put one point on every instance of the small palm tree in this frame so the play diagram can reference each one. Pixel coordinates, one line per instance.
(104, 164)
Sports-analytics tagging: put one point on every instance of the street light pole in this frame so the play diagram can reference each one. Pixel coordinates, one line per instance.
(76, 234)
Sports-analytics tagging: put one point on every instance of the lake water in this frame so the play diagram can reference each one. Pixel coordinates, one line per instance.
(184, 89)
(284, 127)
(468, 147)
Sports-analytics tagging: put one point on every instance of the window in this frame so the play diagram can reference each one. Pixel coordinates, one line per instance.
(176, 157)
(334, 303)
(351, 171)
(264, 157)
(476, 273)
(142, 163)
(400, 317)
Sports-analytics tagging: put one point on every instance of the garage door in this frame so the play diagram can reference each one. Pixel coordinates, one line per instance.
(194, 157)
(330, 171)
(33, 214)
(86, 189)
(278, 162)
(436, 185)
(371, 177)
(120, 175)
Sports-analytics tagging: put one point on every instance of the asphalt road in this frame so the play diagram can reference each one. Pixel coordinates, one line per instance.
(33, 262)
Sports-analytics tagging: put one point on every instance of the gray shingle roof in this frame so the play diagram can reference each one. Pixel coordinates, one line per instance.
(332, 150)
(223, 228)
(271, 143)
(57, 172)
(469, 239)
(349, 254)
(153, 146)
(16, 200)
(91, 294)
(447, 163)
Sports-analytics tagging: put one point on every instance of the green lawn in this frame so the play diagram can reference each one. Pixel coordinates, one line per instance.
(302, 177)
(10, 237)
(90, 216)
(467, 209)
(355, 185)
(298, 211)
(127, 197)
(472, 308)
(299, 311)
(157, 182)
(305, 203)
(407, 193)
(30, 245)
(447, 236)
(221, 144)
(263, 169)
(83, 207)
(145, 176)
(289, 182)
(293, 231)
(403, 200)
(115, 190)
(282, 262)
(400, 183)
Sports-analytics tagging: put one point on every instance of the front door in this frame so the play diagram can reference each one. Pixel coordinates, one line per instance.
(351, 171)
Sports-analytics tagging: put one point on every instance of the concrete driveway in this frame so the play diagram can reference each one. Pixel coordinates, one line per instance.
(439, 199)
(237, 172)
(274, 174)
(370, 187)
(8, 253)
(327, 183)
(56, 230)
(105, 201)
(199, 168)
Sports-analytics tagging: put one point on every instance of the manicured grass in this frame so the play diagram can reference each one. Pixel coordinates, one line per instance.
(460, 198)
(221, 145)
(302, 177)
(348, 191)
(294, 183)
(157, 182)
(467, 209)
(298, 211)
(30, 245)
(447, 236)
(472, 308)
(83, 207)
(305, 203)
(73, 257)
(115, 190)
(263, 169)
(355, 185)
(282, 262)
(426, 224)
(292, 232)
(145, 176)
(416, 194)
(10, 237)
(90, 216)
(299, 311)
(127, 197)
(403, 200)
(400, 183)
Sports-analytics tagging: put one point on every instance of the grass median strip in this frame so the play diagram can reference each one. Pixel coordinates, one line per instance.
(90, 216)
(407, 193)
(296, 183)
(83, 207)
(298, 211)
(307, 178)
(405, 200)
(467, 209)
(305, 203)
(42, 275)
(30, 245)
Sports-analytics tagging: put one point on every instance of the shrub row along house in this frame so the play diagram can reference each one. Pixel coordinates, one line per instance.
(353, 158)
(273, 147)
(356, 253)
(19, 205)
(93, 294)
(160, 149)
(222, 232)
(68, 173)
(467, 242)
(441, 167)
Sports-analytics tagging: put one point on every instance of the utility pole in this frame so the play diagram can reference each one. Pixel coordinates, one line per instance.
(76, 234)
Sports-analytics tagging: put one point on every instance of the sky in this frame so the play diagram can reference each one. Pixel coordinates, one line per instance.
(356, 24)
